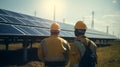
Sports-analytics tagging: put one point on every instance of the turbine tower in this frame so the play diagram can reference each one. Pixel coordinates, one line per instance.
(92, 25)
(54, 12)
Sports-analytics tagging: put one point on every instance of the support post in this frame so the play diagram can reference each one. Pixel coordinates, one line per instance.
(7, 43)
(25, 44)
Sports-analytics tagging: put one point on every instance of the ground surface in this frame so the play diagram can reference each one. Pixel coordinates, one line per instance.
(108, 56)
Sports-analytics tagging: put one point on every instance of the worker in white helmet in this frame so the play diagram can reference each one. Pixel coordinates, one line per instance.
(83, 50)
(54, 50)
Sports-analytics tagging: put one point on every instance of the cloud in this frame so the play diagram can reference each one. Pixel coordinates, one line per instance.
(114, 1)
(113, 21)
(112, 18)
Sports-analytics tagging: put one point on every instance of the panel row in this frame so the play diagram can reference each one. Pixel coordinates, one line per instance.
(19, 21)
(7, 29)
(22, 25)
(17, 18)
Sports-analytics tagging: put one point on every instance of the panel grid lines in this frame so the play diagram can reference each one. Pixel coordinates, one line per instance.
(20, 24)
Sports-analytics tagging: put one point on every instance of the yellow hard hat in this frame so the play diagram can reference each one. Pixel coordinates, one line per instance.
(80, 25)
(55, 26)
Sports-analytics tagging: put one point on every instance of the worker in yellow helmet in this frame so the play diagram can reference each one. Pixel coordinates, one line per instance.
(54, 50)
(83, 50)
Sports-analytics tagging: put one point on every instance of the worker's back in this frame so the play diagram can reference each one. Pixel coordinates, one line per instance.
(55, 48)
(52, 50)
(74, 54)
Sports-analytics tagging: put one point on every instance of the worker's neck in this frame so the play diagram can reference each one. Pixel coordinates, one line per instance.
(80, 36)
(54, 35)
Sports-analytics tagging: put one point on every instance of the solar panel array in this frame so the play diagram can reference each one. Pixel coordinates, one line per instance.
(12, 23)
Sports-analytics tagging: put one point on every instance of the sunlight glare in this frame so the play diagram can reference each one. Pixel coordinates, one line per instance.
(48, 7)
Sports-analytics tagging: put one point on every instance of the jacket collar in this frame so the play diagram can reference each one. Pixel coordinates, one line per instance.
(54, 36)
(80, 37)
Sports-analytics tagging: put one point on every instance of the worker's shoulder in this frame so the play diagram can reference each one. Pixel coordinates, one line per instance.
(91, 42)
(43, 40)
(46, 38)
(62, 39)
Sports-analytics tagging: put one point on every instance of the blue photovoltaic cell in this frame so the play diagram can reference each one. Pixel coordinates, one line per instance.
(2, 12)
(27, 22)
(71, 34)
(27, 17)
(34, 23)
(29, 30)
(38, 24)
(10, 13)
(36, 31)
(25, 32)
(95, 32)
(47, 24)
(66, 26)
(8, 29)
(13, 20)
(63, 34)
(44, 31)
(91, 35)
(1, 20)
(37, 19)
(5, 19)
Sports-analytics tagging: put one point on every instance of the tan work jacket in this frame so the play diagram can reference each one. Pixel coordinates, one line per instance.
(52, 48)
(78, 49)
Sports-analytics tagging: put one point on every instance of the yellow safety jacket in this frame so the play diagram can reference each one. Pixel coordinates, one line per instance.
(77, 51)
(52, 49)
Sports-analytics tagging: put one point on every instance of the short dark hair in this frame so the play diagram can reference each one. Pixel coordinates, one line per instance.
(79, 32)
(54, 32)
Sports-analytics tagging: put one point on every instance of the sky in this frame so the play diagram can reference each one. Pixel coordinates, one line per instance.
(106, 12)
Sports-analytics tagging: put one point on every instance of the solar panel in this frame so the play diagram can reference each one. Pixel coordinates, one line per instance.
(37, 19)
(1, 20)
(16, 18)
(39, 24)
(27, 17)
(2, 12)
(71, 33)
(5, 20)
(45, 32)
(13, 20)
(13, 14)
(27, 22)
(66, 34)
(30, 25)
(94, 32)
(69, 27)
(8, 30)
(27, 30)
